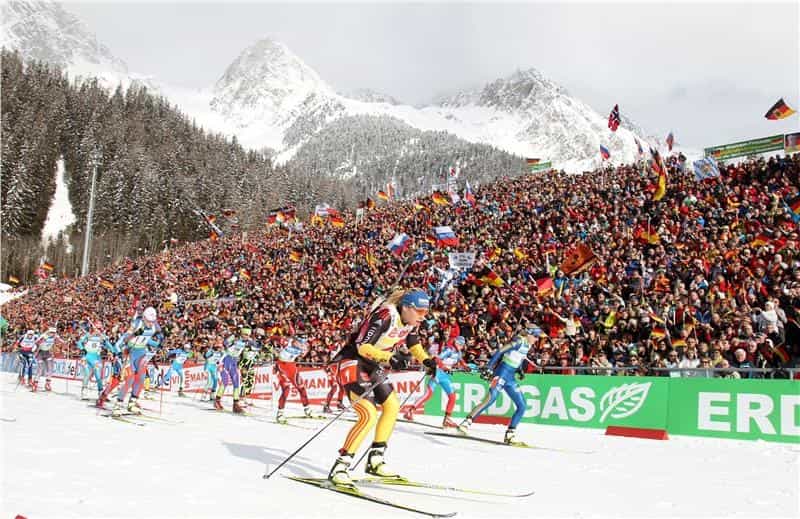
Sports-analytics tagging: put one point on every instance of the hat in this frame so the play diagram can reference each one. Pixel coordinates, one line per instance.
(416, 299)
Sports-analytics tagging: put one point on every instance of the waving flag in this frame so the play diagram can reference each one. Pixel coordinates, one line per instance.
(468, 196)
(13, 280)
(604, 152)
(48, 266)
(445, 236)
(779, 110)
(670, 141)
(658, 167)
(108, 285)
(383, 196)
(337, 221)
(639, 146)
(705, 168)
(613, 118)
(296, 255)
(399, 243)
(439, 199)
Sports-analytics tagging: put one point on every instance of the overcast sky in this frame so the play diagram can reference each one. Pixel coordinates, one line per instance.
(707, 71)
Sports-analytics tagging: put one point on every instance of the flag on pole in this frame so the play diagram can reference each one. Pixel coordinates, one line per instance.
(439, 199)
(779, 110)
(468, 196)
(705, 168)
(296, 255)
(13, 280)
(658, 167)
(383, 196)
(604, 152)
(613, 118)
(48, 266)
(337, 221)
(670, 140)
(399, 243)
(108, 285)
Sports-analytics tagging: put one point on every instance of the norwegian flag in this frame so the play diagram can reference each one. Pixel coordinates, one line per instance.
(613, 118)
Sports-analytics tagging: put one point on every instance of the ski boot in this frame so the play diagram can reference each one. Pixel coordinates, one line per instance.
(280, 418)
(218, 403)
(464, 426)
(133, 407)
(238, 409)
(117, 411)
(340, 407)
(448, 423)
(327, 409)
(375, 464)
(180, 392)
(511, 438)
(307, 411)
(101, 400)
(409, 414)
(339, 474)
(47, 386)
(84, 393)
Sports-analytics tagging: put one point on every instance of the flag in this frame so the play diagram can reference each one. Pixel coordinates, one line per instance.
(468, 196)
(337, 221)
(604, 152)
(761, 239)
(14, 280)
(532, 162)
(205, 286)
(445, 236)
(658, 167)
(578, 259)
(705, 168)
(781, 353)
(659, 332)
(399, 243)
(794, 206)
(370, 203)
(213, 236)
(211, 218)
(430, 240)
(491, 278)
(679, 343)
(390, 190)
(613, 118)
(519, 254)
(383, 196)
(493, 252)
(322, 210)
(296, 255)
(418, 205)
(670, 140)
(779, 110)
(371, 261)
(642, 234)
(639, 146)
(244, 274)
(544, 286)
(48, 266)
(199, 264)
(106, 284)
(611, 319)
(439, 199)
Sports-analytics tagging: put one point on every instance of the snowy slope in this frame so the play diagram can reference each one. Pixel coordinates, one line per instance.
(60, 459)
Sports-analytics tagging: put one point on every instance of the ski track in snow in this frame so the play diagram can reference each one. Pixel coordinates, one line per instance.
(61, 459)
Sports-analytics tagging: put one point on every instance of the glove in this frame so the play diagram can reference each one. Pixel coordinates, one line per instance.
(519, 375)
(486, 373)
(430, 366)
(399, 360)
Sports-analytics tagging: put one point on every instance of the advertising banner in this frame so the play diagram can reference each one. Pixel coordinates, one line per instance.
(745, 148)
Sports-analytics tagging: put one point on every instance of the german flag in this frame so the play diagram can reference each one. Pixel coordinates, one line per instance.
(761, 239)
(544, 286)
(578, 259)
(337, 221)
(493, 253)
(244, 274)
(519, 254)
(658, 332)
(14, 280)
(106, 284)
(205, 286)
(430, 240)
(371, 261)
(492, 279)
(678, 343)
(418, 206)
(199, 264)
(370, 203)
(227, 213)
(383, 196)
(794, 205)
(213, 236)
(296, 255)
(439, 199)
(48, 266)
(779, 110)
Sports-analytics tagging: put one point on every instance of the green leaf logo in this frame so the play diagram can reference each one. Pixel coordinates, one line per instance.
(623, 401)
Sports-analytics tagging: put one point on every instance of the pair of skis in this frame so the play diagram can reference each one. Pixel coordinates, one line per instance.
(375, 481)
(520, 445)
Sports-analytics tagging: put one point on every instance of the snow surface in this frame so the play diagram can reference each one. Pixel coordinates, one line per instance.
(60, 214)
(59, 459)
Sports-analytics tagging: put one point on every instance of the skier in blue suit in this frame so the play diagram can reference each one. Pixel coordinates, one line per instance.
(180, 356)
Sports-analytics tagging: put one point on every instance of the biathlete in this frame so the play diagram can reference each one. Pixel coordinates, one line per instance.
(448, 359)
(181, 355)
(141, 341)
(92, 345)
(385, 328)
(44, 357)
(289, 375)
(505, 364)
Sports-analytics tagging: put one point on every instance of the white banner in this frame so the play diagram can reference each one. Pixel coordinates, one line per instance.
(461, 260)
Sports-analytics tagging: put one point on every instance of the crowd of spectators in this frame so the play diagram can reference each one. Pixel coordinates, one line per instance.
(709, 276)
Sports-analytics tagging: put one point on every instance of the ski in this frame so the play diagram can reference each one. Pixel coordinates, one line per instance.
(142, 415)
(520, 445)
(405, 482)
(358, 493)
(304, 417)
(414, 422)
(124, 418)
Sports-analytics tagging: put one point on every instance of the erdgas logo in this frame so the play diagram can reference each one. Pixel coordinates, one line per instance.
(623, 401)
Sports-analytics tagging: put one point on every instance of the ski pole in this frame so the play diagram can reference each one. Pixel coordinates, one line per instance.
(341, 413)
(406, 399)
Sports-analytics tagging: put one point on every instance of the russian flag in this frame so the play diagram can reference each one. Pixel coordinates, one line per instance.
(399, 243)
(468, 196)
(445, 236)
(604, 152)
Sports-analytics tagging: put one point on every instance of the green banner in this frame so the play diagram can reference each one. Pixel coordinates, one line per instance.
(540, 166)
(744, 148)
(744, 409)
(579, 401)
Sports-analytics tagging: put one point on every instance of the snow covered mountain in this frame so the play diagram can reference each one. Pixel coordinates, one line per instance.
(270, 99)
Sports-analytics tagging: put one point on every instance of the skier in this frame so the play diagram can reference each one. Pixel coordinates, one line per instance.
(26, 348)
(289, 375)
(387, 326)
(445, 361)
(139, 340)
(230, 369)
(332, 371)
(181, 355)
(117, 374)
(247, 368)
(44, 356)
(213, 356)
(505, 364)
(92, 344)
